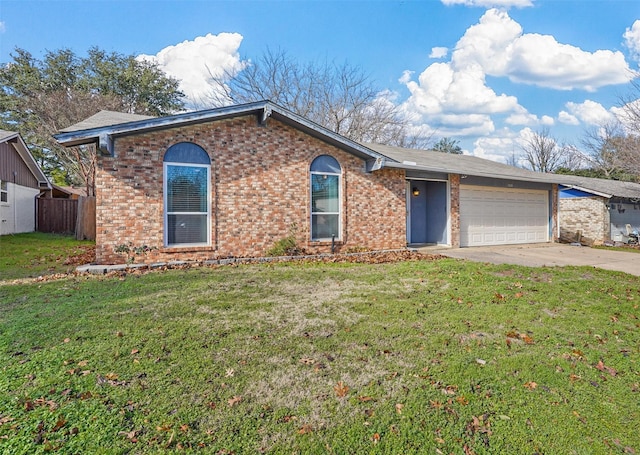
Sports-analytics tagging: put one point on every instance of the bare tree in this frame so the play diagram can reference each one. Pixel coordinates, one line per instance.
(543, 153)
(341, 98)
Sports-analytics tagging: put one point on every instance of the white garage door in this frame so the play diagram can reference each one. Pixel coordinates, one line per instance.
(502, 216)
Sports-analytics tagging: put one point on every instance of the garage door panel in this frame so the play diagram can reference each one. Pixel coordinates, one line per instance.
(497, 216)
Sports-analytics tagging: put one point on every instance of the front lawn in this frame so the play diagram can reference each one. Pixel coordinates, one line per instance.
(432, 356)
(35, 254)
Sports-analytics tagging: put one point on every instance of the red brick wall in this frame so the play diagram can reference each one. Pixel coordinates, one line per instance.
(454, 188)
(260, 189)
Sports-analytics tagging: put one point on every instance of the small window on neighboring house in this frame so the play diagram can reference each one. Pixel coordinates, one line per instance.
(4, 191)
(325, 198)
(187, 195)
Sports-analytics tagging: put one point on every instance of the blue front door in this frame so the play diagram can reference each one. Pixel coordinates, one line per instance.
(428, 212)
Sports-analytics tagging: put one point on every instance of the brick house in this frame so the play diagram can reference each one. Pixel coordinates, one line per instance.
(595, 211)
(21, 181)
(232, 181)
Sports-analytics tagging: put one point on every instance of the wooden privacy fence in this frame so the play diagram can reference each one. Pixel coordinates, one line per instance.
(68, 216)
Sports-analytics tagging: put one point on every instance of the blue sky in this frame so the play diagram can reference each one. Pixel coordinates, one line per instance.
(485, 72)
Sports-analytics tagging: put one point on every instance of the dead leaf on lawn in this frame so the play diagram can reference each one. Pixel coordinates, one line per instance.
(66, 340)
(305, 429)
(235, 400)
(375, 438)
(131, 435)
(341, 389)
(399, 407)
(307, 361)
(59, 424)
(530, 385)
(602, 367)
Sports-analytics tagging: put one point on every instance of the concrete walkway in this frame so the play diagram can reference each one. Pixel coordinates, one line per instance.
(547, 254)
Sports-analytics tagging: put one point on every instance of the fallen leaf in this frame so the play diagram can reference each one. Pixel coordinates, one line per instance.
(601, 366)
(134, 351)
(307, 361)
(341, 389)
(375, 438)
(131, 435)
(526, 338)
(66, 340)
(59, 424)
(530, 385)
(365, 398)
(399, 407)
(235, 400)
(83, 363)
(305, 429)
(111, 376)
(435, 404)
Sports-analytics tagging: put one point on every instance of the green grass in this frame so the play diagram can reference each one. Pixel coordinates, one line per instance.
(413, 357)
(34, 254)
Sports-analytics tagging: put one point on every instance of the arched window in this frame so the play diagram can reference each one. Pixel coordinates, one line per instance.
(187, 195)
(325, 198)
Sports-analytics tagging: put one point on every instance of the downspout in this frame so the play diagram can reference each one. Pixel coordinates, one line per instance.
(15, 209)
(36, 205)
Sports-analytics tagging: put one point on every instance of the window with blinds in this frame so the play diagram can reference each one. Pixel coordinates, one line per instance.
(187, 198)
(325, 198)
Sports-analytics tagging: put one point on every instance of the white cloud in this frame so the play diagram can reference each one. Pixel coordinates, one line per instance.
(523, 118)
(455, 99)
(589, 112)
(498, 44)
(547, 120)
(501, 147)
(632, 40)
(490, 3)
(568, 119)
(194, 62)
(439, 52)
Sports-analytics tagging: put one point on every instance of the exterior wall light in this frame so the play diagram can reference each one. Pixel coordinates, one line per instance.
(415, 191)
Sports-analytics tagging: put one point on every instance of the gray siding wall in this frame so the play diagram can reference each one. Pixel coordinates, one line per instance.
(10, 162)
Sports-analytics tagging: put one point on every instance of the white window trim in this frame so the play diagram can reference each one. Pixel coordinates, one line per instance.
(5, 192)
(166, 212)
(339, 212)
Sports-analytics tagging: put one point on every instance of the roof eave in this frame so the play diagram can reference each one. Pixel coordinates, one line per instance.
(21, 148)
(104, 136)
(447, 170)
(587, 190)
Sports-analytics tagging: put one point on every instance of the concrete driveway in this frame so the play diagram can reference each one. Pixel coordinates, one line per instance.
(547, 254)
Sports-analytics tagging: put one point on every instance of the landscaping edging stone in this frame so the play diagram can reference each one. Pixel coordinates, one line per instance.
(104, 269)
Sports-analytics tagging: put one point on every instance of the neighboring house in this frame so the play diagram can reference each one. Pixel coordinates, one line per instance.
(66, 192)
(598, 210)
(21, 181)
(231, 182)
